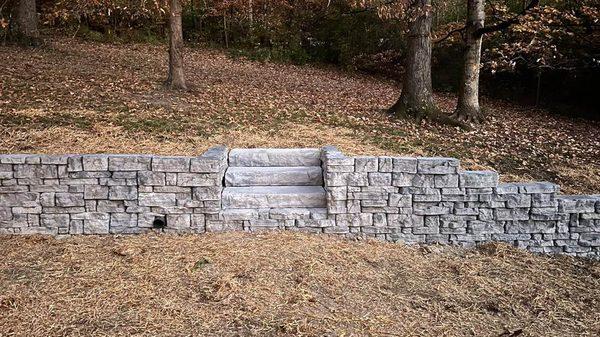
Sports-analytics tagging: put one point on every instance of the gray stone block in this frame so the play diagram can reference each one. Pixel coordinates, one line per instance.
(275, 157)
(35, 171)
(386, 164)
(22, 199)
(274, 176)
(538, 187)
(274, 197)
(157, 199)
(69, 199)
(379, 179)
(95, 162)
(123, 220)
(151, 178)
(404, 165)
(129, 163)
(478, 179)
(433, 165)
(122, 193)
(366, 164)
(95, 192)
(171, 164)
(197, 179)
(577, 203)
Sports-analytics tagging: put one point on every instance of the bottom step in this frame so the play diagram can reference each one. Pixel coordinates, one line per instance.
(274, 197)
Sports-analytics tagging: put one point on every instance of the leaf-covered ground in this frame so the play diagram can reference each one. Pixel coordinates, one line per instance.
(75, 96)
(288, 284)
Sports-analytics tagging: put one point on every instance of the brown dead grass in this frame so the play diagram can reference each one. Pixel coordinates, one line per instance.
(76, 96)
(239, 284)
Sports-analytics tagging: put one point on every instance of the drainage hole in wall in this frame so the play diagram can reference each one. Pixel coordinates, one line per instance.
(159, 222)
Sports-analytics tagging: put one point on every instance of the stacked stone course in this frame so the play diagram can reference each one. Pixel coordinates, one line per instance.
(412, 200)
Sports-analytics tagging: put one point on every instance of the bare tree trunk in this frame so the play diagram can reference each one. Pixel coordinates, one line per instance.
(26, 19)
(176, 79)
(468, 109)
(417, 99)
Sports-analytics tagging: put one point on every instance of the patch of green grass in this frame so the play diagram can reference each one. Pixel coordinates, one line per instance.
(41, 122)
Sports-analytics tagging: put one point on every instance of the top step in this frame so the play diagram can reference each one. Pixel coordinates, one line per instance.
(275, 157)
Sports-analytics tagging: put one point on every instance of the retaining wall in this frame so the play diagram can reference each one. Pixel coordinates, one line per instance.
(412, 200)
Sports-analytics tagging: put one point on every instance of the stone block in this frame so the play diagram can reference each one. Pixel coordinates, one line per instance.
(478, 179)
(129, 163)
(379, 179)
(95, 192)
(537, 187)
(207, 193)
(35, 171)
(171, 164)
(151, 178)
(275, 157)
(157, 199)
(577, 203)
(69, 199)
(179, 221)
(366, 164)
(54, 220)
(123, 220)
(404, 165)
(386, 164)
(197, 179)
(435, 165)
(21, 199)
(122, 193)
(95, 163)
(446, 181)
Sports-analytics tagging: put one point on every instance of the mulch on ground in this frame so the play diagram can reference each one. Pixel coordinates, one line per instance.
(284, 284)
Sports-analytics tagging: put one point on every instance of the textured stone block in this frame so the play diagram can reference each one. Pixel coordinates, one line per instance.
(446, 181)
(157, 199)
(538, 187)
(35, 171)
(478, 179)
(434, 165)
(379, 179)
(386, 164)
(207, 193)
(129, 163)
(122, 193)
(95, 162)
(274, 176)
(171, 164)
(522, 227)
(403, 179)
(577, 203)
(69, 199)
(22, 199)
(275, 157)
(274, 197)
(95, 192)
(197, 179)
(179, 221)
(123, 220)
(404, 165)
(151, 178)
(366, 164)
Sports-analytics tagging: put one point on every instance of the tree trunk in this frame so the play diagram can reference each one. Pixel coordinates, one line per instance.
(26, 22)
(176, 79)
(416, 99)
(468, 109)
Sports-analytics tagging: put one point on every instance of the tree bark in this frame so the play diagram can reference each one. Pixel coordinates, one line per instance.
(468, 109)
(176, 79)
(26, 22)
(416, 99)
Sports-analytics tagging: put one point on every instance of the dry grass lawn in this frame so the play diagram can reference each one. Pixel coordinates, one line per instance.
(240, 284)
(75, 96)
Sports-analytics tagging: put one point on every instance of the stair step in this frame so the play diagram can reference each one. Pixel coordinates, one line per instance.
(275, 157)
(274, 197)
(274, 176)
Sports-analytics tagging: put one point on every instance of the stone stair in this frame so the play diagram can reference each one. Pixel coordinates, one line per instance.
(274, 188)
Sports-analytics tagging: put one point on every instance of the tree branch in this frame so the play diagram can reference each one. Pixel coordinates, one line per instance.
(450, 33)
(505, 24)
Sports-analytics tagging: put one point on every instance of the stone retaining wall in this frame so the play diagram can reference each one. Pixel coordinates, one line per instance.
(102, 194)
(412, 200)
